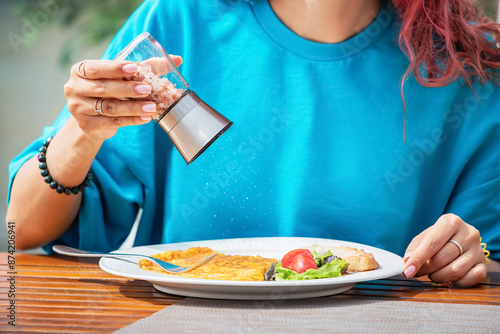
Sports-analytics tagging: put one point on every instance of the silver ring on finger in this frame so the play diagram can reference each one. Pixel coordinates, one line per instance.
(81, 69)
(458, 245)
(98, 106)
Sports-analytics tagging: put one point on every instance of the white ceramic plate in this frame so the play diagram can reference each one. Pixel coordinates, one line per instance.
(390, 264)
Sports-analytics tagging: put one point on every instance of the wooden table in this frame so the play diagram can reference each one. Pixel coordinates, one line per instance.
(57, 294)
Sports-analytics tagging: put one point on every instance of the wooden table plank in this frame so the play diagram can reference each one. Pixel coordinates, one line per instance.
(51, 261)
(56, 294)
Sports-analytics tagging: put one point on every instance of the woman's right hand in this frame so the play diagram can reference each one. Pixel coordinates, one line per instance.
(99, 85)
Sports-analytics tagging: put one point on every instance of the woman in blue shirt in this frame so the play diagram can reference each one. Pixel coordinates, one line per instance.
(323, 144)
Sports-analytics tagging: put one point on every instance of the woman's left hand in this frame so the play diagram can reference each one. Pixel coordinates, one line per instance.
(432, 253)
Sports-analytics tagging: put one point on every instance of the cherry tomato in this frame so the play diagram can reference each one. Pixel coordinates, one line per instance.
(303, 262)
(286, 262)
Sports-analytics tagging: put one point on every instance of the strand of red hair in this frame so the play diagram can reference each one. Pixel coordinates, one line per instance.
(448, 39)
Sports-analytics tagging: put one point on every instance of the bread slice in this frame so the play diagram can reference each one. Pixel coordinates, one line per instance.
(357, 258)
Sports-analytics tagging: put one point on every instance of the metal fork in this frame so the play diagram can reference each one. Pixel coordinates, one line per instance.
(168, 267)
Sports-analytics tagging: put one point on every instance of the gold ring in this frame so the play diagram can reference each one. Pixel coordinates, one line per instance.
(98, 110)
(457, 244)
(81, 69)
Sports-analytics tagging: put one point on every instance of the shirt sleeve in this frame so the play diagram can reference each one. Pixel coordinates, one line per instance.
(476, 195)
(117, 192)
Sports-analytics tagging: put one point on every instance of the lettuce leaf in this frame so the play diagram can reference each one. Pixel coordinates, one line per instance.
(328, 270)
(320, 259)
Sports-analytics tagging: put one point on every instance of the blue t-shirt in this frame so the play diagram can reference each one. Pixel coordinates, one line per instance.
(316, 149)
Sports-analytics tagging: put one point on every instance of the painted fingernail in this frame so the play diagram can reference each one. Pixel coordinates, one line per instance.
(145, 118)
(150, 107)
(407, 256)
(410, 271)
(176, 57)
(143, 89)
(129, 68)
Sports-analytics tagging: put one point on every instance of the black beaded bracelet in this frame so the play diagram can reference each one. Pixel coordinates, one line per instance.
(60, 189)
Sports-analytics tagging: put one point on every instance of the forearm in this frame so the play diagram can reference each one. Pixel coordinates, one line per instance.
(41, 214)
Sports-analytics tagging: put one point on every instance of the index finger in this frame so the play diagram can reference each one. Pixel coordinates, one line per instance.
(104, 69)
(435, 238)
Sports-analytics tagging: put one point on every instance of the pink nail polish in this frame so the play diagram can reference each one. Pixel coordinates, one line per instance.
(150, 107)
(143, 89)
(145, 118)
(410, 271)
(129, 68)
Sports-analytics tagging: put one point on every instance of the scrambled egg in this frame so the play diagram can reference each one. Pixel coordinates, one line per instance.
(223, 267)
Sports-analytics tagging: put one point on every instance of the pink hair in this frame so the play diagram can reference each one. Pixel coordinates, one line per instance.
(448, 39)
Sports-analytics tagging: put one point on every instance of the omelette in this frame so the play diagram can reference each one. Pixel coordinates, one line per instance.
(221, 267)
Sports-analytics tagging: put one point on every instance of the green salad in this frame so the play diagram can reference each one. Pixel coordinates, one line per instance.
(301, 264)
